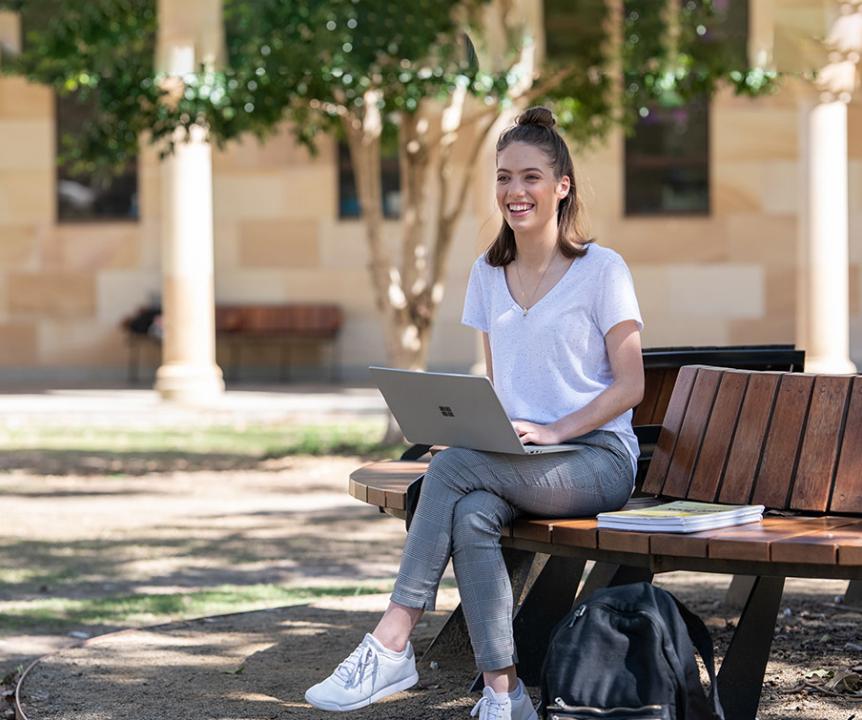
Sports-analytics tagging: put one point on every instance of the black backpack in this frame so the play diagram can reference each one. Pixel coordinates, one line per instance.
(628, 652)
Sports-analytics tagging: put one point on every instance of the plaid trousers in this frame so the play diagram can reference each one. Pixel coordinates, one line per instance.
(469, 496)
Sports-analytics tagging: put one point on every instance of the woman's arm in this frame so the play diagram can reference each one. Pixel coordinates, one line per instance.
(623, 344)
(489, 366)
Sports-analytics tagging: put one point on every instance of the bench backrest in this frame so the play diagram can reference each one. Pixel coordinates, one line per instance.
(790, 441)
(318, 320)
(662, 364)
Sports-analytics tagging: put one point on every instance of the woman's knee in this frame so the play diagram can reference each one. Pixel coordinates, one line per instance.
(479, 515)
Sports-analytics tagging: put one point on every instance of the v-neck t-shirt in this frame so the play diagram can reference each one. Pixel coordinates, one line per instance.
(553, 361)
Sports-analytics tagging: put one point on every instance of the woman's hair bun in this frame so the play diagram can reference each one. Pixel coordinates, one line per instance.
(536, 116)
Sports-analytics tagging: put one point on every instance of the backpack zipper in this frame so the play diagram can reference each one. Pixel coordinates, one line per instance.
(578, 613)
(563, 705)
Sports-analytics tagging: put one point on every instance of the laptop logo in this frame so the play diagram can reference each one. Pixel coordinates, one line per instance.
(446, 411)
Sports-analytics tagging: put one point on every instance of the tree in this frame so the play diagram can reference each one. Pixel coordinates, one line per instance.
(422, 76)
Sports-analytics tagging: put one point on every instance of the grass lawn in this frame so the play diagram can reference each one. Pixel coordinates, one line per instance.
(264, 441)
(64, 614)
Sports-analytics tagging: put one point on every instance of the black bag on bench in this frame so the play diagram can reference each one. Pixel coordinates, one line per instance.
(627, 652)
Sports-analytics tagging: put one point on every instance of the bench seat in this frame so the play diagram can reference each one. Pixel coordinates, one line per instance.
(787, 541)
(784, 542)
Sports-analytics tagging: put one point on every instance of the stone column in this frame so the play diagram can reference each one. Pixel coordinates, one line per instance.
(823, 323)
(190, 35)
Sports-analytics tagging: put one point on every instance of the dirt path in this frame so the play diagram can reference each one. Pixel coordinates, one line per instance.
(93, 535)
(81, 527)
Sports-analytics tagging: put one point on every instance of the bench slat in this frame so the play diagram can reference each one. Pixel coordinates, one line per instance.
(538, 529)
(753, 541)
(820, 445)
(747, 446)
(579, 532)
(357, 490)
(717, 439)
(850, 547)
(775, 479)
(667, 386)
(644, 414)
(691, 435)
(670, 429)
(622, 541)
(818, 547)
(847, 495)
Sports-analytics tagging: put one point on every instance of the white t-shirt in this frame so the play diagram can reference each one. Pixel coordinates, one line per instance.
(553, 361)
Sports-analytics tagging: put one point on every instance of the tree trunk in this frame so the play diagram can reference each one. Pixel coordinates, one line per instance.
(408, 298)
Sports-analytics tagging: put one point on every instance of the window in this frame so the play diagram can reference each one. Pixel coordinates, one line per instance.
(82, 197)
(390, 176)
(574, 31)
(667, 162)
(667, 156)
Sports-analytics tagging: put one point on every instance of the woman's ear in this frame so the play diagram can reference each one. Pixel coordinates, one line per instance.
(564, 186)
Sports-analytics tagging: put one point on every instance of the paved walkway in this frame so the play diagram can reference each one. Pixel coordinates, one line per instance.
(125, 407)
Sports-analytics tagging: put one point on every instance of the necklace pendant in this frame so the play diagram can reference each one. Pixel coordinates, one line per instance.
(525, 311)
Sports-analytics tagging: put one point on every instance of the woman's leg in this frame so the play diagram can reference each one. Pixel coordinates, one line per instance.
(584, 482)
(484, 585)
(581, 482)
(395, 627)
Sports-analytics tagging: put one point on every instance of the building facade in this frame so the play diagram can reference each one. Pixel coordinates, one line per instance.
(283, 233)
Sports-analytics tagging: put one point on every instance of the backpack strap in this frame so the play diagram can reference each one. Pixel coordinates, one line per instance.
(702, 642)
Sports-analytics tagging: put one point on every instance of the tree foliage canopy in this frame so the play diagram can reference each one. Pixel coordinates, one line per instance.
(314, 61)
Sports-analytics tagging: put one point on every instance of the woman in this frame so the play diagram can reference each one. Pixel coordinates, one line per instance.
(561, 330)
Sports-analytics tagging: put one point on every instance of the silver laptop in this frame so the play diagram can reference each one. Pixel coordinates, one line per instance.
(454, 410)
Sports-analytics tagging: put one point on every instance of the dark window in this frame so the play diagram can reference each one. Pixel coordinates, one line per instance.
(390, 176)
(574, 31)
(81, 196)
(667, 156)
(667, 161)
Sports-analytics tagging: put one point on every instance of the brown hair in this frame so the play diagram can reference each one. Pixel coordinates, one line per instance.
(535, 126)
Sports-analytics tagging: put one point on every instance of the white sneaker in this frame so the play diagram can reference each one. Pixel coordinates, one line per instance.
(369, 673)
(499, 706)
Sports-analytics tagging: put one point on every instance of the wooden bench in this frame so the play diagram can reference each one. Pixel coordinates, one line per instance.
(239, 326)
(788, 441)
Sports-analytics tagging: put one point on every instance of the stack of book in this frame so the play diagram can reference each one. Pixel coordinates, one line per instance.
(680, 516)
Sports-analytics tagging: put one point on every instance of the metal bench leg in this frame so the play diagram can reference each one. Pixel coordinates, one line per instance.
(853, 596)
(134, 361)
(738, 591)
(606, 574)
(285, 361)
(334, 363)
(740, 678)
(548, 600)
(453, 640)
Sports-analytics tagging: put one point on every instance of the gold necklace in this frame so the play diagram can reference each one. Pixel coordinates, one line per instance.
(525, 308)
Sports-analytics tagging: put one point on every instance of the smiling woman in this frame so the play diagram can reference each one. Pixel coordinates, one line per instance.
(561, 330)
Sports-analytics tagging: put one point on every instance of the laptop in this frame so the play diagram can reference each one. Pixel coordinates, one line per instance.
(455, 410)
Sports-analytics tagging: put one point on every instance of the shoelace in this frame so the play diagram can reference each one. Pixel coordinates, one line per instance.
(352, 670)
(489, 709)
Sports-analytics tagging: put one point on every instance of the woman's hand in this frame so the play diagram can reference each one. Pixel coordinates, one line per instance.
(536, 434)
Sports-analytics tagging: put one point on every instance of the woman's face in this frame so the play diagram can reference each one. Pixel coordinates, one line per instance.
(527, 191)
